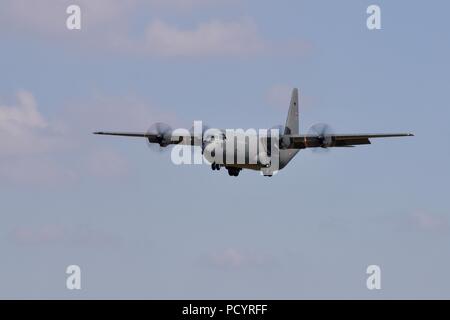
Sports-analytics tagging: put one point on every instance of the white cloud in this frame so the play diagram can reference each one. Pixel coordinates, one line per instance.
(23, 130)
(24, 114)
(35, 151)
(109, 25)
(26, 140)
(49, 16)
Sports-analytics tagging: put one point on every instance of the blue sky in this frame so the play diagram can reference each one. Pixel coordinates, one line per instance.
(140, 227)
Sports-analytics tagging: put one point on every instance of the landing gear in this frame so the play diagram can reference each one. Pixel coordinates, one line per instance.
(233, 172)
(267, 172)
(215, 166)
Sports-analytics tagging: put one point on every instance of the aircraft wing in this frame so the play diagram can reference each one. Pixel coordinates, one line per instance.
(338, 140)
(123, 134)
(297, 141)
(153, 138)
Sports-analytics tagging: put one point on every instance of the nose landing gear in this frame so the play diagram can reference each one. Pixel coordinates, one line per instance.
(215, 166)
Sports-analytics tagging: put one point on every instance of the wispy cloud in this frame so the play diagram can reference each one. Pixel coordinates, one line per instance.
(418, 221)
(110, 25)
(35, 150)
(429, 222)
(23, 129)
(26, 140)
(233, 258)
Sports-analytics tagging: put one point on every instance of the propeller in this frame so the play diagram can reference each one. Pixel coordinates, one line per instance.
(324, 133)
(161, 135)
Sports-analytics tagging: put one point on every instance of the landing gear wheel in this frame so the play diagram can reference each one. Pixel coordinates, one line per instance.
(233, 172)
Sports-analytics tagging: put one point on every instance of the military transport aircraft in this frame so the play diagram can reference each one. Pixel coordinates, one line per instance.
(279, 146)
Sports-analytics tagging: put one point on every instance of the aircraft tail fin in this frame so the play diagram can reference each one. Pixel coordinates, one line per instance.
(292, 121)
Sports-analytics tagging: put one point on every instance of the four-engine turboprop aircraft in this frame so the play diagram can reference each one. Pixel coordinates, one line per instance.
(269, 153)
